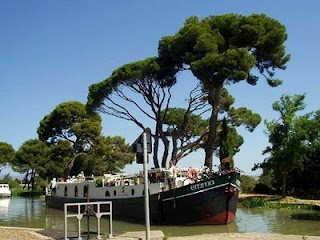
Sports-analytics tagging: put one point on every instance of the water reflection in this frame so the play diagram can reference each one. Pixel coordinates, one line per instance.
(306, 216)
(31, 212)
(4, 206)
(283, 221)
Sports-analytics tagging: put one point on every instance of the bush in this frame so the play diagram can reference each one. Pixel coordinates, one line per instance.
(8, 179)
(265, 185)
(247, 184)
(253, 202)
(99, 182)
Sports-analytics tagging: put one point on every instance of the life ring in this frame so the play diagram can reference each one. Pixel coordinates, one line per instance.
(193, 174)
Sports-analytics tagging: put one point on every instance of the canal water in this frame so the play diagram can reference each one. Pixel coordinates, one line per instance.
(32, 212)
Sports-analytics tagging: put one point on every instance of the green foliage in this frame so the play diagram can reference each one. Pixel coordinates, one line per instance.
(247, 184)
(218, 50)
(108, 154)
(61, 155)
(6, 153)
(129, 74)
(245, 117)
(294, 139)
(260, 202)
(175, 119)
(8, 179)
(187, 127)
(70, 122)
(225, 49)
(99, 182)
(32, 154)
(265, 184)
(254, 202)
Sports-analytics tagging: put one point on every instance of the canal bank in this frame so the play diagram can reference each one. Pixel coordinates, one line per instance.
(14, 233)
(32, 213)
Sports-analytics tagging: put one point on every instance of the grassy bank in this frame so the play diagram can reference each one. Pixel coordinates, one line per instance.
(275, 201)
(19, 191)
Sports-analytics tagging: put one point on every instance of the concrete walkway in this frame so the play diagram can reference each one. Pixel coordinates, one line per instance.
(245, 236)
(14, 233)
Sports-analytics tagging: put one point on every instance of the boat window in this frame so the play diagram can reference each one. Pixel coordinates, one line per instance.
(115, 193)
(132, 191)
(76, 191)
(65, 191)
(85, 191)
(107, 193)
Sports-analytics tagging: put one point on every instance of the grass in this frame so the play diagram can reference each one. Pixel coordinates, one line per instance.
(275, 201)
(19, 191)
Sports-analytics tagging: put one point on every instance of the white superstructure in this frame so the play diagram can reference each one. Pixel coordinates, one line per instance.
(5, 190)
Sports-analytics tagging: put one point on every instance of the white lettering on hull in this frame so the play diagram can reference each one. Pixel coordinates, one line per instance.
(202, 185)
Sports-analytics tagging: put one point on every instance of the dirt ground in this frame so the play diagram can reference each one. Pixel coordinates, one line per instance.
(12, 233)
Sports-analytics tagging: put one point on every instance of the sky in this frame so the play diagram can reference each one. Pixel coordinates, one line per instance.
(52, 51)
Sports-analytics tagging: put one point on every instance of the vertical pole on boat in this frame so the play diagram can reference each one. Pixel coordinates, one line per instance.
(88, 217)
(146, 188)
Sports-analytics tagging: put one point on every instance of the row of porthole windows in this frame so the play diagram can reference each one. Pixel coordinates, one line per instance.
(107, 194)
(85, 192)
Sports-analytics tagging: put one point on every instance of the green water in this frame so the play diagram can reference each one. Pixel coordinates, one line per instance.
(32, 212)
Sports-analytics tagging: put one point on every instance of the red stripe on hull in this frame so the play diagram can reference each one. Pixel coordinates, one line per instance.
(222, 218)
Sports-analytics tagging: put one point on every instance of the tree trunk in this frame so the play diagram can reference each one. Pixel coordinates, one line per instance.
(32, 179)
(165, 152)
(26, 180)
(284, 182)
(164, 140)
(174, 148)
(214, 95)
(155, 149)
(69, 166)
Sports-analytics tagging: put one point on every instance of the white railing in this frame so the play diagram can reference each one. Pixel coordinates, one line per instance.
(87, 211)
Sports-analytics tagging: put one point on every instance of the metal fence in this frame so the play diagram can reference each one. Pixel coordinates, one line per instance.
(89, 209)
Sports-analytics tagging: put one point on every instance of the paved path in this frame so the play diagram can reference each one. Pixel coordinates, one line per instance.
(14, 233)
(245, 236)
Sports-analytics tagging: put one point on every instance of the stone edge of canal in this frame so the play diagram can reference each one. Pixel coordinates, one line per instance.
(10, 233)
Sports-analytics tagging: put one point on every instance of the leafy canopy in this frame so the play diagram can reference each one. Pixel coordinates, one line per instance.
(225, 48)
(6, 153)
(32, 154)
(70, 121)
(222, 50)
(290, 139)
(108, 155)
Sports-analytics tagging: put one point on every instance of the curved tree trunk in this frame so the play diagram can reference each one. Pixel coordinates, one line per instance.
(165, 152)
(284, 182)
(155, 149)
(174, 148)
(214, 95)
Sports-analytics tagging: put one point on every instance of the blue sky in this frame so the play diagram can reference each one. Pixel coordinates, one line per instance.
(52, 51)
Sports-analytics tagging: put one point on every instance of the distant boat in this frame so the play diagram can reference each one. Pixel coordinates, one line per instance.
(190, 198)
(5, 190)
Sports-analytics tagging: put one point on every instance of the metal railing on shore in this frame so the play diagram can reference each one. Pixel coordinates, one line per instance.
(88, 210)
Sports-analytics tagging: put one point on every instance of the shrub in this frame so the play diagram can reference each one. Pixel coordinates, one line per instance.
(253, 202)
(247, 184)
